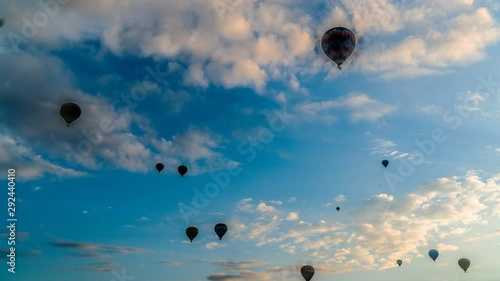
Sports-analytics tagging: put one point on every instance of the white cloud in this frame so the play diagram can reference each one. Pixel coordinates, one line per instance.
(292, 216)
(483, 237)
(253, 42)
(340, 198)
(260, 230)
(386, 148)
(365, 108)
(213, 245)
(291, 200)
(100, 138)
(446, 207)
(360, 106)
(263, 208)
(198, 146)
(444, 247)
(29, 163)
(436, 42)
(431, 109)
(244, 206)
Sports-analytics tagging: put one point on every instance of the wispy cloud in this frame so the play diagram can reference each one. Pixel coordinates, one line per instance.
(360, 106)
(30, 164)
(441, 208)
(171, 263)
(239, 271)
(431, 109)
(340, 198)
(292, 216)
(99, 267)
(92, 250)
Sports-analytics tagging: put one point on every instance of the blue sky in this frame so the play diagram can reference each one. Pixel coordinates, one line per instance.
(274, 135)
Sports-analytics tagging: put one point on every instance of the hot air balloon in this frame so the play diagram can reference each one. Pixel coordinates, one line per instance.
(70, 112)
(191, 232)
(2, 22)
(338, 208)
(220, 230)
(182, 170)
(338, 43)
(385, 163)
(399, 262)
(159, 167)
(464, 264)
(433, 254)
(307, 272)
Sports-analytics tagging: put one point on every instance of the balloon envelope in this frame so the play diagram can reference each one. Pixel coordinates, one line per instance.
(159, 167)
(385, 163)
(399, 262)
(338, 43)
(70, 112)
(307, 272)
(433, 254)
(182, 170)
(220, 230)
(464, 264)
(338, 208)
(2, 22)
(191, 232)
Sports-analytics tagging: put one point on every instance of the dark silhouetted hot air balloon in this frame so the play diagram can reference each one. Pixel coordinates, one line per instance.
(182, 170)
(385, 163)
(464, 264)
(220, 230)
(338, 208)
(433, 254)
(70, 112)
(191, 232)
(399, 262)
(159, 167)
(338, 43)
(307, 272)
(2, 22)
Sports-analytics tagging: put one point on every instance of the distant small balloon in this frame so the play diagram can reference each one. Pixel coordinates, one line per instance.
(385, 163)
(182, 170)
(338, 208)
(191, 232)
(220, 230)
(464, 264)
(399, 262)
(307, 272)
(2, 22)
(159, 167)
(433, 253)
